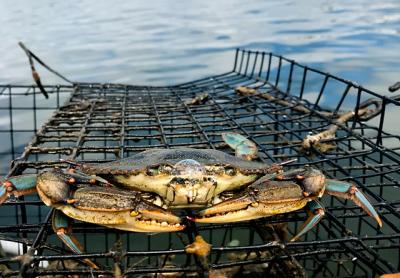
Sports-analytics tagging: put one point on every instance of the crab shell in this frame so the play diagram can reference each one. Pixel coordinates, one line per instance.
(181, 177)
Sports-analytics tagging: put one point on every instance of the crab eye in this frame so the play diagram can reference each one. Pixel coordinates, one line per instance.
(167, 169)
(230, 171)
(152, 171)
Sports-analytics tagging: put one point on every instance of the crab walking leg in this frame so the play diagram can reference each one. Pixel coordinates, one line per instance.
(63, 228)
(315, 212)
(17, 186)
(81, 175)
(349, 191)
(26, 184)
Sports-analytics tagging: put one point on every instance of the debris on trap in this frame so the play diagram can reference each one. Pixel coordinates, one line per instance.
(263, 98)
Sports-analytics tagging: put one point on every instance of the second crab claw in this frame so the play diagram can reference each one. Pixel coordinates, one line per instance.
(264, 198)
(282, 193)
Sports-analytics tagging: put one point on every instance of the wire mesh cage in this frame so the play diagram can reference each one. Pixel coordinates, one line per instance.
(93, 122)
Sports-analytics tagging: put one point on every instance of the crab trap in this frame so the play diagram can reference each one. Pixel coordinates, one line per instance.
(274, 102)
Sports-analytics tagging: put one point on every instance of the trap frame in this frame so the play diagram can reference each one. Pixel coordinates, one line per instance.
(94, 122)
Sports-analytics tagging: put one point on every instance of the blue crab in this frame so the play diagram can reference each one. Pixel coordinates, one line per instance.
(139, 193)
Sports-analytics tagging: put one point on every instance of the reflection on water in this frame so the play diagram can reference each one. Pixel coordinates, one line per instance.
(167, 42)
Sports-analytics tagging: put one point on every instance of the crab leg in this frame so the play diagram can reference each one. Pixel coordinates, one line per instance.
(63, 228)
(26, 184)
(80, 177)
(315, 212)
(349, 191)
(17, 186)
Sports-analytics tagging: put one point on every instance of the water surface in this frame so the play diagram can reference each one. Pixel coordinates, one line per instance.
(168, 42)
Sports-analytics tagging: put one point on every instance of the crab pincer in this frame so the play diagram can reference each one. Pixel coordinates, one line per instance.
(263, 198)
(282, 193)
(17, 186)
(349, 191)
(107, 206)
(315, 184)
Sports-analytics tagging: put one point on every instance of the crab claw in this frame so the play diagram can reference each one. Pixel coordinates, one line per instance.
(107, 206)
(264, 198)
(243, 147)
(315, 212)
(349, 191)
(17, 186)
(120, 209)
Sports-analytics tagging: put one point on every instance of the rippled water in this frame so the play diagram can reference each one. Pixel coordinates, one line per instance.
(168, 42)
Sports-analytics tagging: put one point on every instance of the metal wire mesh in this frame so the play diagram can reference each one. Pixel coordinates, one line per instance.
(104, 122)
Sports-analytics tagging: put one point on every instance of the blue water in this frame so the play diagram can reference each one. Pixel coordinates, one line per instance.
(168, 42)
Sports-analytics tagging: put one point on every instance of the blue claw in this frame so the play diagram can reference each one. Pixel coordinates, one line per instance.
(315, 212)
(63, 228)
(243, 147)
(349, 191)
(17, 186)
